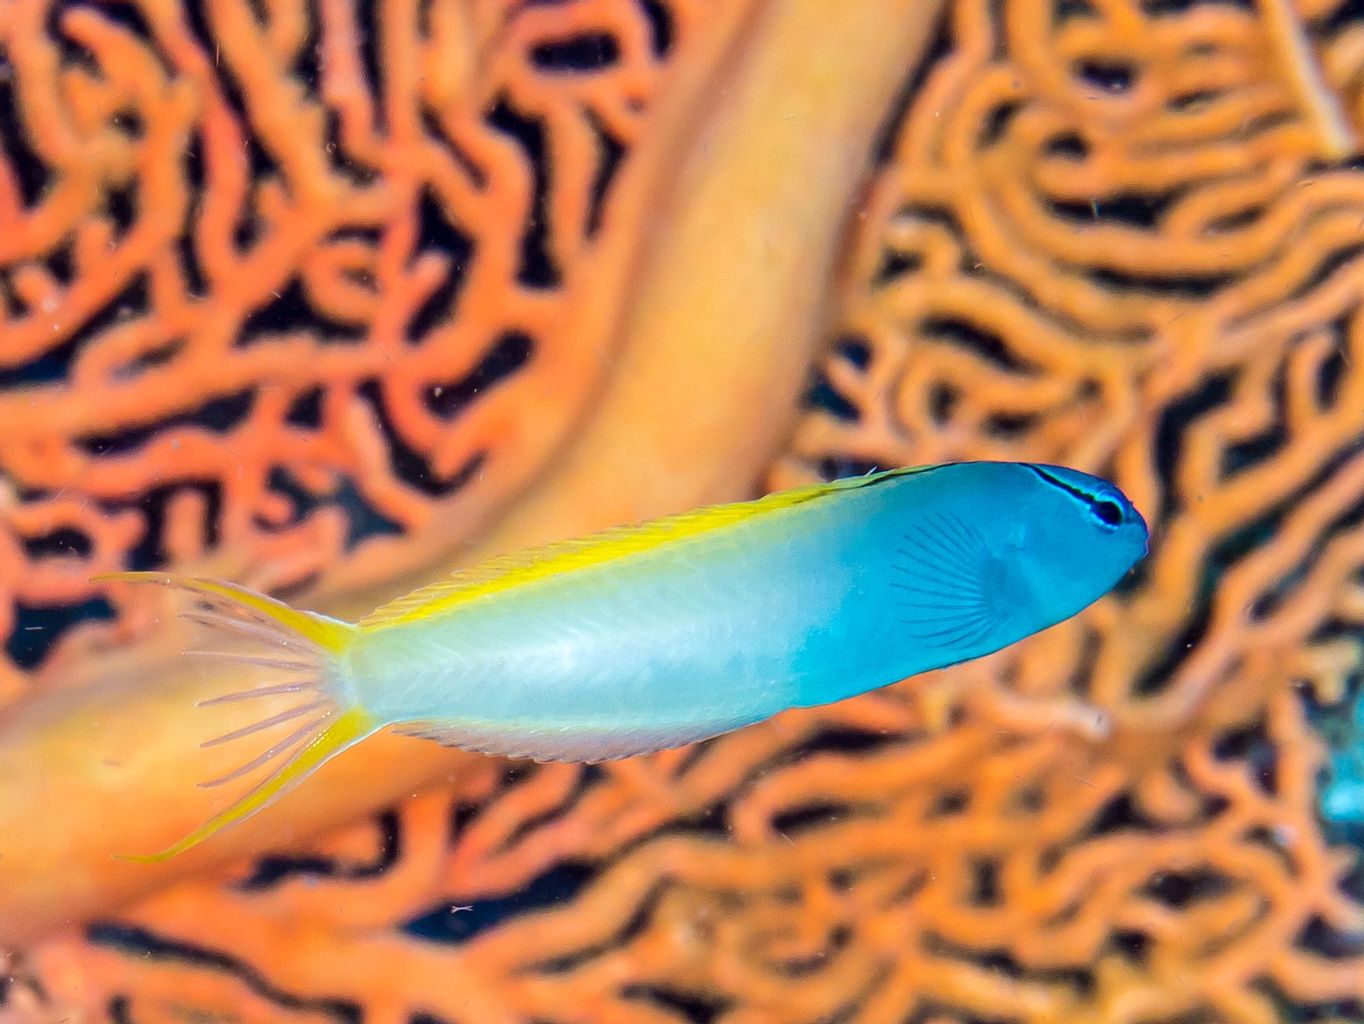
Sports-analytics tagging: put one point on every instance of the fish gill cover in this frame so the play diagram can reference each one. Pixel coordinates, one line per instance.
(275, 288)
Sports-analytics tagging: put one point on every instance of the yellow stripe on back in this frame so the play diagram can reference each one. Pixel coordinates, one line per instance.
(509, 571)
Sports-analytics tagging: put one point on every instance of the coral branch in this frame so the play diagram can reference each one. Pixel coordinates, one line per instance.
(1304, 72)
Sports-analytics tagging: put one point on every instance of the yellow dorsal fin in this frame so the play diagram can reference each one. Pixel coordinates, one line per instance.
(514, 570)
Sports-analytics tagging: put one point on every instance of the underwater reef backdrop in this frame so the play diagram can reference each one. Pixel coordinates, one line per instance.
(330, 297)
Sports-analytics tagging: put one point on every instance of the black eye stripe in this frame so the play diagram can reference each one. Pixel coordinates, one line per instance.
(1091, 502)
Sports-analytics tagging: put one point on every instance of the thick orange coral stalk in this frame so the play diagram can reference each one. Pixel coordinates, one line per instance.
(754, 181)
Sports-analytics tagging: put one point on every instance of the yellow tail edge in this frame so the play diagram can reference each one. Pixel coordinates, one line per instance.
(349, 729)
(332, 635)
(298, 647)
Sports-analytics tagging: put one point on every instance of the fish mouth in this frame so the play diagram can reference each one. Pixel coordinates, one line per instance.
(1139, 522)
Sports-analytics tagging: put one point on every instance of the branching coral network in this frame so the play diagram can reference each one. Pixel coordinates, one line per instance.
(1120, 236)
(270, 291)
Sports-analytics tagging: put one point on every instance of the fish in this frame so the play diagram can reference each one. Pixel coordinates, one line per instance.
(652, 636)
(1341, 797)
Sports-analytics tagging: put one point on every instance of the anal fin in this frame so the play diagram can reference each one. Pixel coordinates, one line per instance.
(554, 742)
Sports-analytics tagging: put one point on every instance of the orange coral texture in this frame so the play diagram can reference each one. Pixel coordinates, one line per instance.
(1121, 236)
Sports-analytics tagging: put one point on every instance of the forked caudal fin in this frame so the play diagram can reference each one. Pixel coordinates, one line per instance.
(300, 648)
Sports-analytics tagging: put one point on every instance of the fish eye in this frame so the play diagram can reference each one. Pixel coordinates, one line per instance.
(1108, 513)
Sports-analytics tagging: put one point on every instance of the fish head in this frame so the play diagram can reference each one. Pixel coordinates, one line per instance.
(996, 551)
(1070, 538)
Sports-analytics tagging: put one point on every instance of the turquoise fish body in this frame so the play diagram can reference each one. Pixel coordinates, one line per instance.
(652, 636)
(801, 604)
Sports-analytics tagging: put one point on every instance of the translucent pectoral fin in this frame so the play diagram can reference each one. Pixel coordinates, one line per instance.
(943, 580)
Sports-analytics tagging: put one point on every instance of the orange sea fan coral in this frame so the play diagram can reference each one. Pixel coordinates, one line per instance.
(1111, 234)
(280, 279)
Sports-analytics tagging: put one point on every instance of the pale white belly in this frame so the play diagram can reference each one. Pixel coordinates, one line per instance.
(603, 665)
